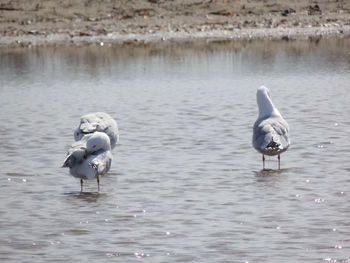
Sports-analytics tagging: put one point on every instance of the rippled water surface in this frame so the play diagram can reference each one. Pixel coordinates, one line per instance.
(185, 183)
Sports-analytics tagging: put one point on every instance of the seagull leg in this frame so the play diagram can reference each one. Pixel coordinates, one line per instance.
(279, 162)
(98, 182)
(81, 185)
(263, 158)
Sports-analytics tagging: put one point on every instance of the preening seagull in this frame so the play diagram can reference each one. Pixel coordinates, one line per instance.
(270, 131)
(98, 121)
(90, 157)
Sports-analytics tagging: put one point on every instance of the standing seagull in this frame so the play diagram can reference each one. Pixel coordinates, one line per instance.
(90, 157)
(98, 121)
(270, 131)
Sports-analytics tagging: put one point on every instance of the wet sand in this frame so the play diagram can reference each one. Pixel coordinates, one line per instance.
(72, 21)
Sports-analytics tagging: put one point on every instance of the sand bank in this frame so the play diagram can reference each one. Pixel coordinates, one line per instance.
(36, 22)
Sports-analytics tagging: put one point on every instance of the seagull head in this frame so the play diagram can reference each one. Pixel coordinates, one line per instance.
(97, 141)
(263, 92)
(265, 104)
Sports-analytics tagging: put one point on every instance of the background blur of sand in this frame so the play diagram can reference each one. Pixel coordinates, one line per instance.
(77, 18)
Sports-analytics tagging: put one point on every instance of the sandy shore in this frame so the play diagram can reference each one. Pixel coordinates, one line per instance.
(35, 22)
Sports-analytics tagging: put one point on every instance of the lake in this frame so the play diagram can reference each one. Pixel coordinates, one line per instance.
(185, 183)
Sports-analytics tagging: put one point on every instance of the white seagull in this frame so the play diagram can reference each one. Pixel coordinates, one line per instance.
(90, 157)
(270, 131)
(98, 121)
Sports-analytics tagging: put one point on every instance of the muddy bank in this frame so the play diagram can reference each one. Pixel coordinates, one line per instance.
(39, 22)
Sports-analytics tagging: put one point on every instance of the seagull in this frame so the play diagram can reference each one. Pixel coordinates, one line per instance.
(270, 131)
(98, 121)
(90, 157)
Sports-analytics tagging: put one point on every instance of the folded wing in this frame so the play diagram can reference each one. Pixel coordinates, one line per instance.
(271, 133)
(102, 162)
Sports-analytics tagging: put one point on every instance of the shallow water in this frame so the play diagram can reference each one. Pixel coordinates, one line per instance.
(185, 183)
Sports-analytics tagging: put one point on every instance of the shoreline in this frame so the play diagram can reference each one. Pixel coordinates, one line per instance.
(137, 38)
(46, 22)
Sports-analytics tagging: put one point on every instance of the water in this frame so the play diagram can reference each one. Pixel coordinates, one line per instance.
(185, 183)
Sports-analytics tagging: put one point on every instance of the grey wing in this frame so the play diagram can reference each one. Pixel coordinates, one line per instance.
(78, 145)
(261, 135)
(281, 132)
(102, 162)
(74, 156)
(76, 152)
(264, 131)
(69, 161)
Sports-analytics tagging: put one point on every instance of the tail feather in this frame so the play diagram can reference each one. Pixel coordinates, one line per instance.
(69, 161)
(273, 145)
